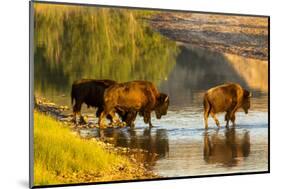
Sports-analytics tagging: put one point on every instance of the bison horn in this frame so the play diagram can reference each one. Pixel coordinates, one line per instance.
(166, 99)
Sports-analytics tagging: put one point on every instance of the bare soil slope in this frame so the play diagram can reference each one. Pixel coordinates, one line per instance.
(240, 35)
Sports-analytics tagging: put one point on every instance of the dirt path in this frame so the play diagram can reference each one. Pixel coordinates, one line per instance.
(244, 36)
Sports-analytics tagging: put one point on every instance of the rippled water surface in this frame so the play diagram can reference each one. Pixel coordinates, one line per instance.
(183, 146)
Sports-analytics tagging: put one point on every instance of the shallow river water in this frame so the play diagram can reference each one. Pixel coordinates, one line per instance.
(183, 146)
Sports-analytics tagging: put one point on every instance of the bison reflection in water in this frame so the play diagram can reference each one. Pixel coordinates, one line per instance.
(155, 144)
(225, 98)
(227, 149)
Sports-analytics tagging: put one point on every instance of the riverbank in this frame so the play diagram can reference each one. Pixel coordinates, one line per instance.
(61, 156)
(239, 35)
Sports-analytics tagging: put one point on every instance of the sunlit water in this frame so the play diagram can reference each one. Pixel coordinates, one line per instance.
(183, 146)
(186, 149)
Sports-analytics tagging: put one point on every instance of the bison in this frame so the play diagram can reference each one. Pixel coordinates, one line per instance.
(90, 92)
(225, 98)
(134, 96)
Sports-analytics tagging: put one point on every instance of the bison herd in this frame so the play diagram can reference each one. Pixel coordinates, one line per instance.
(115, 101)
(125, 99)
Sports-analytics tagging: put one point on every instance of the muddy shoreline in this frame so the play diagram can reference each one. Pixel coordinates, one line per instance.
(134, 155)
(240, 35)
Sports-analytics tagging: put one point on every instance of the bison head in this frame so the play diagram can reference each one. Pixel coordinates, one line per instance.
(162, 105)
(246, 104)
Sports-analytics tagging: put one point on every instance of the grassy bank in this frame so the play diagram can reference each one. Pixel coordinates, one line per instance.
(60, 156)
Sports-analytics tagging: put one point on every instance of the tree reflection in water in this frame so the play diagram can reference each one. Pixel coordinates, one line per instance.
(73, 42)
(155, 143)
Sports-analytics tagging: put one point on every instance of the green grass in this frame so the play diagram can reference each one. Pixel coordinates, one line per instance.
(60, 156)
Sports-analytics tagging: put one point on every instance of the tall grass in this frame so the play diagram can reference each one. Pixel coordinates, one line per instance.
(62, 157)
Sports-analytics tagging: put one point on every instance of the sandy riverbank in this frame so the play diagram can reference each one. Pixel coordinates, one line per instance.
(62, 156)
(240, 35)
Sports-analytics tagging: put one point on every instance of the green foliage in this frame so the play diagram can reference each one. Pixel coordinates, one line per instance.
(73, 42)
(62, 157)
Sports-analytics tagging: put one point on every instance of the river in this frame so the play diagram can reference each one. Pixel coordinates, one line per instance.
(183, 145)
(184, 72)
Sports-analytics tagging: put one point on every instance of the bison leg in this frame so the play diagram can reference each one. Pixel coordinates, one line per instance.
(74, 114)
(129, 118)
(103, 116)
(99, 111)
(206, 115)
(81, 119)
(232, 113)
(227, 118)
(147, 118)
(74, 117)
(207, 109)
(76, 110)
(101, 121)
(233, 119)
(215, 118)
(150, 124)
(206, 120)
(114, 118)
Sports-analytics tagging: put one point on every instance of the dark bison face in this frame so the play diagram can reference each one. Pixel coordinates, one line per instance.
(246, 104)
(162, 105)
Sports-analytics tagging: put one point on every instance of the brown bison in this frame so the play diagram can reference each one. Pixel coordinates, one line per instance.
(134, 96)
(225, 98)
(90, 92)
